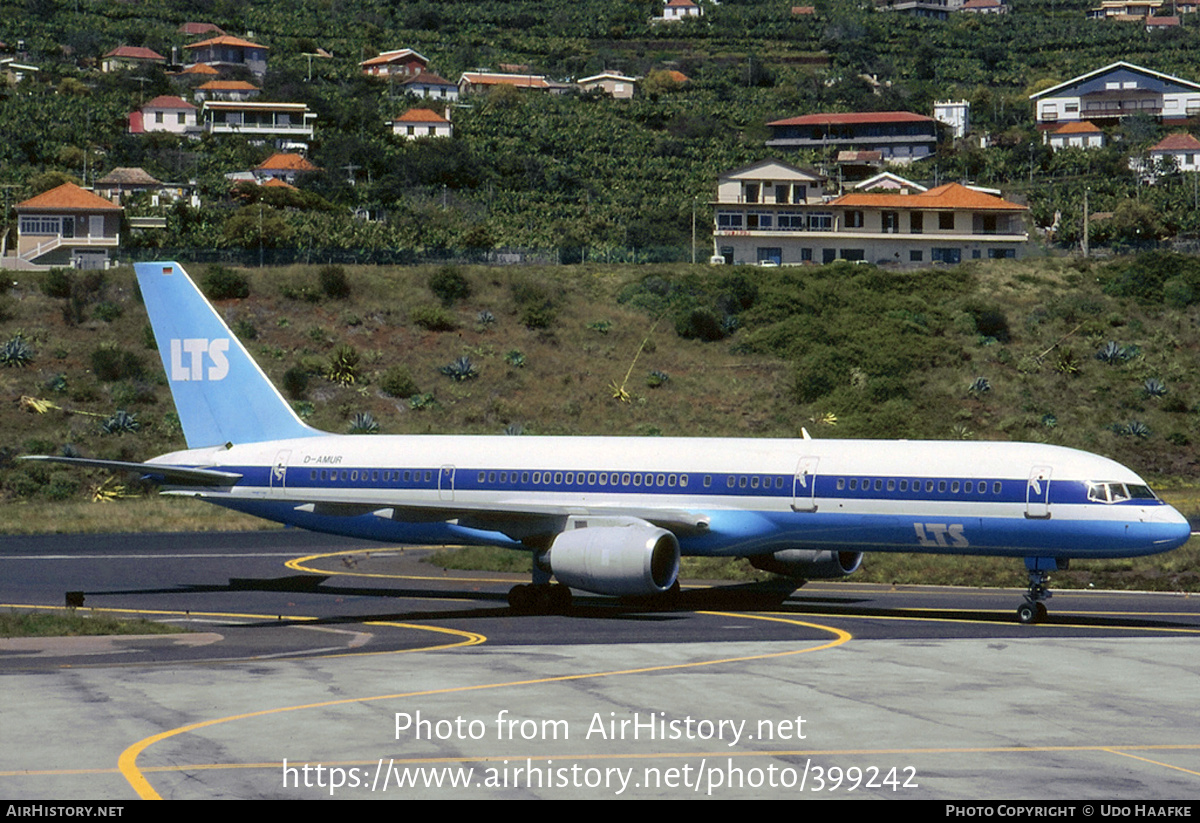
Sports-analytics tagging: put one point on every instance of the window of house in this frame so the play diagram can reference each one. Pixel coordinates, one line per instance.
(181, 119)
(729, 220)
(891, 222)
(781, 194)
(412, 130)
(916, 222)
(799, 193)
(820, 221)
(751, 192)
(854, 219)
(916, 256)
(852, 254)
(946, 221)
(945, 255)
(159, 116)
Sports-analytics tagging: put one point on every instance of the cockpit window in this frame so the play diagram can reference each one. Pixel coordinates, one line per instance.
(1118, 492)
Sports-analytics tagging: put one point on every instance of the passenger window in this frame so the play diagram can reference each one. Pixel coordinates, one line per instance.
(841, 484)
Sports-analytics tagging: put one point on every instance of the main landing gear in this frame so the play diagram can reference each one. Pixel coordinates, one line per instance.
(1033, 610)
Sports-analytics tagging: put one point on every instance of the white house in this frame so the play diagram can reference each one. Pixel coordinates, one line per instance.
(675, 10)
(615, 85)
(777, 213)
(416, 123)
(1115, 91)
(954, 113)
(1081, 134)
(397, 63)
(165, 113)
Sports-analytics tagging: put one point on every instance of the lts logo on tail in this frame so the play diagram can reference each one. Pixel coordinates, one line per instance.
(195, 349)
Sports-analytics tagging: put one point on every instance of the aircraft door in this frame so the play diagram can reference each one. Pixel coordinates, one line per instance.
(804, 485)
(446, 483)
(279, 469)
(1037, 493)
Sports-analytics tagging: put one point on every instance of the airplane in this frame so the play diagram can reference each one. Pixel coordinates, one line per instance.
(613, 515)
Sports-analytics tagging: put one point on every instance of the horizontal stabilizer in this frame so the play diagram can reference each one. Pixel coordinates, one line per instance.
(170, 475)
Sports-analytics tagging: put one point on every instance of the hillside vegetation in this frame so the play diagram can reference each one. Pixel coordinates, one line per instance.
(1092, 355)
(580, 176)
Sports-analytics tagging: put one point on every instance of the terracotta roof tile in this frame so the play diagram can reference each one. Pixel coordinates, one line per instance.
(835, 119)
(1177, 142)
(225, 40)
(135, 53)
(286, 162)
(166, 101)
(421, 116)
(68, 197)
(1080, 127)
(949, 196)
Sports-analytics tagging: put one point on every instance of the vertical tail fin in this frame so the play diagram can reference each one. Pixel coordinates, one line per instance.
(221, 394)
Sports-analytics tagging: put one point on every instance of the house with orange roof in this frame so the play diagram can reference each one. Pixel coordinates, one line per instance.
(226, 90)
(676, 10)
(1175, 152)
(165, 113)
(200, 29)
(398, 63)
(899, 136)
(1081, 134)
(416, 123)
(130, 57)
(65, 226)
(226, 53)
(478, 81)
(283, 166)
(775, 213)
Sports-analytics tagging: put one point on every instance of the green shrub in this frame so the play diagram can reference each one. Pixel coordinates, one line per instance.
(538, 315)
(432, 318)
(108, 311)
(397, 381)
(333, 282)
(220, 283)
(58, 283)
(450, 286)
(111, 363)
(700, 324)
(295, 382)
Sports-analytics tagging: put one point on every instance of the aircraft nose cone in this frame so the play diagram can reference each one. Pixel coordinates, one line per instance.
(1173, 526)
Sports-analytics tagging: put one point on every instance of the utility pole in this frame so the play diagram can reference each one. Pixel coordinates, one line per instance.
(1085, 222)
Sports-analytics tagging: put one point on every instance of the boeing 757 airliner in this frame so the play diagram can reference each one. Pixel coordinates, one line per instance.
(612, 515)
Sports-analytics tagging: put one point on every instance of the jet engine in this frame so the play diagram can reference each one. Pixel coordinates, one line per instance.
(808, 564)
(618, 560)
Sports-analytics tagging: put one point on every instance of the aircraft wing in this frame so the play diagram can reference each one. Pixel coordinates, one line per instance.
(158, 472)
(516, 519)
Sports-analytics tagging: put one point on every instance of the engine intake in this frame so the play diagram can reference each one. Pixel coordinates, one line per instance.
(618, 560)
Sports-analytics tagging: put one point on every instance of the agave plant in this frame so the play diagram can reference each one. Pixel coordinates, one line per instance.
(460, 370)
(421, 401)
(980, 387)
(1154, 387)
(343, 365)
(16, 353)
(657, 378)
(485, 318)
(1114, 354)
(514, 429)
(363, 423)
(1136, 428)
(121, 422)
(1066, 362)
(515, 358)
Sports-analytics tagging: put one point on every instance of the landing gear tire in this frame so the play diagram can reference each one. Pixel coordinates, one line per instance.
(1029, 612)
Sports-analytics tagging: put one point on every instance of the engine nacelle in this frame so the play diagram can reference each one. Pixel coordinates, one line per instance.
(809, 564)
(618, 560)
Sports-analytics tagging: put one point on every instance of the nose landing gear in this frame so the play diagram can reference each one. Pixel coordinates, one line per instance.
(1033, 609)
